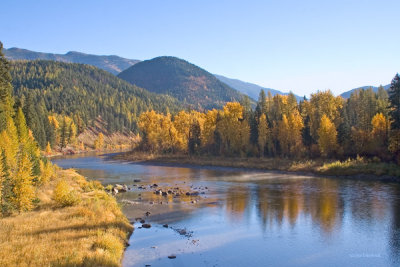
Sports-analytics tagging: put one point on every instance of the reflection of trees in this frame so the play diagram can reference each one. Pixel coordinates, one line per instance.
(237, 200)
(274, 204)
(277, 203)
(326, 205)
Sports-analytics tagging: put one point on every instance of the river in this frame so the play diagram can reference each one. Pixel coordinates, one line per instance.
(250, 218)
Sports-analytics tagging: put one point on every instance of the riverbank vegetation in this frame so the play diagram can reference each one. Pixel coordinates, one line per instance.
(74, 223)
(323, 128)
(50, 217)
(371, 168)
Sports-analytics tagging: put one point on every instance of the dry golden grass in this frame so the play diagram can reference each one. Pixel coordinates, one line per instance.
(93, 232)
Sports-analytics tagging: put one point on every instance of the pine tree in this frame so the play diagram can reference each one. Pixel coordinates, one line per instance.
(394, 98)
(263, 134)
(63, 133)
(262, 103)
(194, 138)
(20, 123)
(6, 186)
(6, 100)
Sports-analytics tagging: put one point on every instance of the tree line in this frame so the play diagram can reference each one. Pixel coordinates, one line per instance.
(366, 124)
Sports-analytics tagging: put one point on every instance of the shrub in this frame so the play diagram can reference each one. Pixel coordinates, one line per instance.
(64, 195)
(91, 186)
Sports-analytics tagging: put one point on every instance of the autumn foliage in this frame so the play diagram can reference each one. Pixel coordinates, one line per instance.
(279, 126)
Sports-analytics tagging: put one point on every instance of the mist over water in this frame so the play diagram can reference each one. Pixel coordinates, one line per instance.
(249, 218)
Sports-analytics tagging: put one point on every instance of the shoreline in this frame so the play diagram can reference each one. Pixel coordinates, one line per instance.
(316, 168)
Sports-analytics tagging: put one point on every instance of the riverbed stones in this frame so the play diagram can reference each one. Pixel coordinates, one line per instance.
(146, 225)
(118, 188)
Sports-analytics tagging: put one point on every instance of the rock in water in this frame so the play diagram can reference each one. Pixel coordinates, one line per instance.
(171, 257)
(146, 225)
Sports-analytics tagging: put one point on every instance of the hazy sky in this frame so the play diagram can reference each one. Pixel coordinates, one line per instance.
(301, 46)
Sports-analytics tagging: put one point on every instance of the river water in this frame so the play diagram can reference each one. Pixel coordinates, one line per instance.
(251, 218)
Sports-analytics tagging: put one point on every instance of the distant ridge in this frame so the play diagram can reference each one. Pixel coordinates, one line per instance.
(347, 94)
(181, 79)
(113, 64)
(250, 89)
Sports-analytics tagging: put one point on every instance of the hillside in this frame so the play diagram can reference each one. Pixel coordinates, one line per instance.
(181, 79)
(113, 64)
(250, 89)
(347, 94)
(84, 90)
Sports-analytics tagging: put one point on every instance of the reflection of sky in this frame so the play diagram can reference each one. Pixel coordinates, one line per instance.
(263, 217)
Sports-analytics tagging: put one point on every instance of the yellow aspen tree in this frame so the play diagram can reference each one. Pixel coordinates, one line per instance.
(10, 143)
(168, 134)
(48, 148)
(210, 121)
(295, 138)
(263, 134)
(82, 146)
(182, 122)
(380, 128)
(232, 116)
(327, 137)
(323, 103)
(99, 143)
(284, 135)
(380, 134)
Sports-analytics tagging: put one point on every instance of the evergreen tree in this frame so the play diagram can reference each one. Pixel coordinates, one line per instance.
(63, 133)
(194, 138)
(20, 123)
(6, 100)
(262, 103)
(394, 98)
(263, 134)
(6, 186)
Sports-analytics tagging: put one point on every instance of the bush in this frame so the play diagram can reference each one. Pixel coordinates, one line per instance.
(64, 195)
(92, 186)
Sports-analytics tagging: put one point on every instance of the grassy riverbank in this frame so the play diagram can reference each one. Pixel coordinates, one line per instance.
(76, 223)
(360, 167)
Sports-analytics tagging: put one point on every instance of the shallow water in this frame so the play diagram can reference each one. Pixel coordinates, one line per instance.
(249, 218)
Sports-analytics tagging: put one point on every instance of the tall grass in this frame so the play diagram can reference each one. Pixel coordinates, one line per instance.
(89, 232)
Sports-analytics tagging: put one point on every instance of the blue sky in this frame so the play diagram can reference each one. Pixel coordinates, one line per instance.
(303, 46)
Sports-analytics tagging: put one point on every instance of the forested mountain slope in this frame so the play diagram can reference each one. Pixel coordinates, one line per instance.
(181, 79)
(84, 91)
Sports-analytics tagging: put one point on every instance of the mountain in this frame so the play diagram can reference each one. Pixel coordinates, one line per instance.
(347, 94)
(113, 64)
(84, 90)
(250, 89)
(181, 79)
